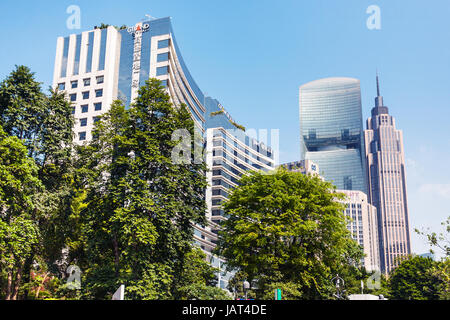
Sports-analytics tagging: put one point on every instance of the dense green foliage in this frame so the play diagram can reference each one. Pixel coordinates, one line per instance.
(441, 242)
(19, 233)
(118, 207)
(288, 228)
(198, 279)
(413, 279)
(137, 224)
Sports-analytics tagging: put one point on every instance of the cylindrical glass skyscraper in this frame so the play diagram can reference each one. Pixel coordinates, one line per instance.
(331, 131)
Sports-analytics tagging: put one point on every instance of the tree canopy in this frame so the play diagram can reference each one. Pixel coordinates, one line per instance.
(413, 279)
(286, 227)
(140, 206)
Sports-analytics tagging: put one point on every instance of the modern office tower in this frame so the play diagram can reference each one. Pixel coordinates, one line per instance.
(99, 66)
(331, 131)
(387, 184)
(363, 226)
(230, 153)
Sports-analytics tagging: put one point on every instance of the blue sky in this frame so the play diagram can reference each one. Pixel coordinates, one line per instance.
(252, 55)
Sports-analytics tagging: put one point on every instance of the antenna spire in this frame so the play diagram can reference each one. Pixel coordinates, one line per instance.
(379, 98)
(378, 85)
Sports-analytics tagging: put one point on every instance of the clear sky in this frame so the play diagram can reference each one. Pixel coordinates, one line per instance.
(252, 55)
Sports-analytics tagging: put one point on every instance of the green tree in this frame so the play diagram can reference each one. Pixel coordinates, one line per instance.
(22, 107)
(289, 291)
(140, 206)
(286, 227)
(44, 124)
(198, 279)
(18, 238)
(19, 234)
(236, 286)
(56, 171)
(441, 241)
(442, 272)
(413, 279)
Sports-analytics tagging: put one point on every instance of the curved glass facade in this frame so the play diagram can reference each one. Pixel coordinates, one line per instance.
(178, 80)
(331, 130)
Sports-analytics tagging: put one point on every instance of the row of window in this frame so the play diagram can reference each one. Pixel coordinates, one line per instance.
(85, 108)
(86, 95)
(86, 83)
(84, 121)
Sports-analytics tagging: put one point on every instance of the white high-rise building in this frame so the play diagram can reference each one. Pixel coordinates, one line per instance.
(363, 226)
(230, 154)
(99, 66)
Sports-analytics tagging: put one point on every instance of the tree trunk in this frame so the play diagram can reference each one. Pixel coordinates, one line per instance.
(9, 285)
(116, 255)
(17, 282)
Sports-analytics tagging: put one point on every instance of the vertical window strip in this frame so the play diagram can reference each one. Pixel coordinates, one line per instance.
(90, 52)
(76, 65)
(65, 57)
(101, 63)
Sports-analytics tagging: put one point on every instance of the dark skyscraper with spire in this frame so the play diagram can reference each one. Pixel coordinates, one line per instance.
(387, 184)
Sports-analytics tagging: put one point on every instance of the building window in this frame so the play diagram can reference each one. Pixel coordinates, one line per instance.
(100, 79)
(87, 82)
(163, 57)
(73, 110)
(103, 41)
(74, 84)
(348, 185)
(82, 136)
(73, 97)
(96, 119)
(98, 106)
(162, 70)
(163, 44)
(61, 86)
(76, 65)
(99, 93)
(164, 83)
(65, 56)
(84, 108)
(90, 52)
(83, 122)
(86, 95)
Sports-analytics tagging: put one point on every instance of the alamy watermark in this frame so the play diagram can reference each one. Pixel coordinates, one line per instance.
(73, 22)
(374, 281)
(374, 20)
(74, 280)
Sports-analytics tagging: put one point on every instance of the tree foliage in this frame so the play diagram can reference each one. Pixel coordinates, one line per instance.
(441, 241)
(140, 206)
(44, 125)
(19, 234)
(198, 279)
(413, 279)
(286, 227)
